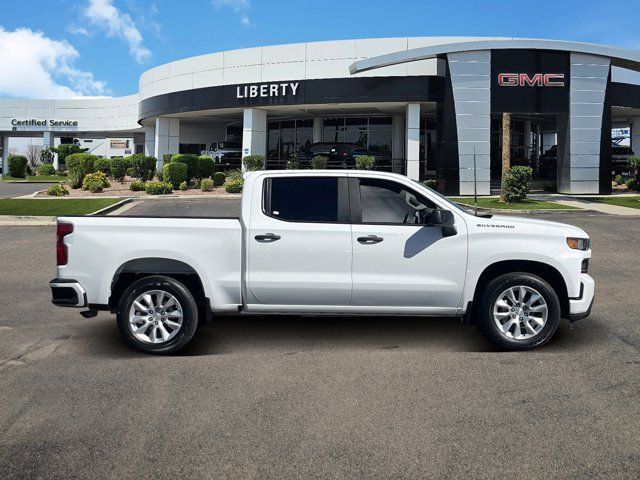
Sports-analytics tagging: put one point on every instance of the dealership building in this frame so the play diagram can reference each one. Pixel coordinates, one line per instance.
(428, 107)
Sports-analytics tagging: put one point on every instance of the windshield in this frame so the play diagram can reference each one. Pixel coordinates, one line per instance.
(222, 145)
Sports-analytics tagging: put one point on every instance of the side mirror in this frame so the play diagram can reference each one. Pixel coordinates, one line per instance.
(440, 218)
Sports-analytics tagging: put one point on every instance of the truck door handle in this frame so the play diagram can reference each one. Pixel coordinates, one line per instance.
(267, 237)
(370, 239)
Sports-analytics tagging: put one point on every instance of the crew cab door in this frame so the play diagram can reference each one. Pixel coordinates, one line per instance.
(299, 243)
(398, 261)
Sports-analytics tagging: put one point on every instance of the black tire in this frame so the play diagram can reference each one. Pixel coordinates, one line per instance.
(189, 314)
(485, 319)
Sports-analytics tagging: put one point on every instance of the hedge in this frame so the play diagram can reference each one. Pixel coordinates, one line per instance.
(119, 167)
(78, 166)
(191, 161)
(234, 185)
(175, 173)
(144, 167)
(102, 165)
(319, 162)
(18, 166)
(137, 186)
(516, 183)
(206, 166)
(365, 162)
(46, 169)
(219, 178)
(253, 162)
(158, 188)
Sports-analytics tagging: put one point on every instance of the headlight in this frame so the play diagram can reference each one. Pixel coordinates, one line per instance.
(578, 243)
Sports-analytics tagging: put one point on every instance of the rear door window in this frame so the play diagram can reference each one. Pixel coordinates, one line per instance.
(302, 199)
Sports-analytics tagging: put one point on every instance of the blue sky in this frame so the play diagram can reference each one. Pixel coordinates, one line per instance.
(64, 48)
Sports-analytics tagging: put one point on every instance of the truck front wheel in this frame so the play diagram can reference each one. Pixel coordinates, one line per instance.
(518, 311)
(157, 314)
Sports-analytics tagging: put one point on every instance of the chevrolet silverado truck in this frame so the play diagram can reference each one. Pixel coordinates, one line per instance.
(326, 243)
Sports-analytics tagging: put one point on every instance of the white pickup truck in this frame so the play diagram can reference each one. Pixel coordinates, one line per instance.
(326, 243)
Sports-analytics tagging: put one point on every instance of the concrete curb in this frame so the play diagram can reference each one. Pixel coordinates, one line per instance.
(111, 208)
(15, 220)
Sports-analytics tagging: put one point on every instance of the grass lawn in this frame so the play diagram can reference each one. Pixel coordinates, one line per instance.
(53, 207)
(630, 201)
(37, 178)
(527, 204)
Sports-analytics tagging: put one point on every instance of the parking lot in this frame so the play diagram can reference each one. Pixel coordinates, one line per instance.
(305, 397)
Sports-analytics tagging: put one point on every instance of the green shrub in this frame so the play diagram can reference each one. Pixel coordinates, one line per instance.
(235, 174)
(634, 166)
(46, 169)
(183, 186)
(118, 168)
(219, 178)
(234, 185)
(191, 161)
(144, 167)
(431, 183)
(102, 165)
(174, 173)
(66, 149)
(319, 162)
(365, 162)
(293, 163)
(166, 158)
(618, 180)
(137, 186)
(160, 175)
(78, 166)
(57, 190)
(206, 166)
(18, 166)
(93, 181)
(158, 188)
(516, 183)
(131, 172)
(253, 162)
(632, 184)
(206, 184)
(196, 183)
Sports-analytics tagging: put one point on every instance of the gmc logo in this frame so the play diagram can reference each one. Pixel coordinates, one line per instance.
(536, 80)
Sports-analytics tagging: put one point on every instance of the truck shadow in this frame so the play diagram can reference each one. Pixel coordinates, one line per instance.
(294, 334)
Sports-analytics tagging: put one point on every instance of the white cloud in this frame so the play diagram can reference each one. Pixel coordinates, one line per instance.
(238, 6)
(78, 30)
(103, 14)
(35, 66)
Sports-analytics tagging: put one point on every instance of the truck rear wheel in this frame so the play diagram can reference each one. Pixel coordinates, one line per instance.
(157, 314)
(518, 311)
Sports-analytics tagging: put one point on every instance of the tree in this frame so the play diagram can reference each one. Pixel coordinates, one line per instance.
(634, 167)
(66, 149)
(506, 150)
(33, 154)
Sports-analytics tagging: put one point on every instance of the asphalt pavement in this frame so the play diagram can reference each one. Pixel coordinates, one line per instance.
(304, 397)
(15, 189)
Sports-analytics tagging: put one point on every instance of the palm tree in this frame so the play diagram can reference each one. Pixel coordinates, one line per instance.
(506, 149)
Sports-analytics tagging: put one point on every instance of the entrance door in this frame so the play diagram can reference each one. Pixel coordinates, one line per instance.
(397, 260)
(299, 245)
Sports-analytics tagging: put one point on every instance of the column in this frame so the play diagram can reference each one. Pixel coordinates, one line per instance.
(579, 170)
(413, 141)
(471, 84)
(317, 130)
(527, 140)
(167, 138)
(149, 141)
(397, 141)
(254, 132)
(5, 155)
(47, 142)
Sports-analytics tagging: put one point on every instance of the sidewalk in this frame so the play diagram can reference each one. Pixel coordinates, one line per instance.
(583, 203)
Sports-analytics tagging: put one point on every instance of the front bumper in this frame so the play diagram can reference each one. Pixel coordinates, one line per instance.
(581, 307)
(67, 293)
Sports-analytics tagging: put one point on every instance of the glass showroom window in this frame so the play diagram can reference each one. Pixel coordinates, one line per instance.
(286, 137)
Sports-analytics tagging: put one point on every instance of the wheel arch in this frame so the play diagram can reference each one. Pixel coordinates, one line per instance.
(543, 270)
(135, 269)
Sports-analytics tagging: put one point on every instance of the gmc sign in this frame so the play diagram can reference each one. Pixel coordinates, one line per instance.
(535, 80)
